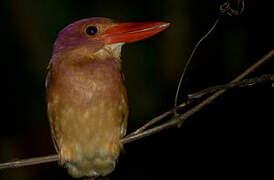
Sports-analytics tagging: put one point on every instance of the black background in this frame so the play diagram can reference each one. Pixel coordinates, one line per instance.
(232, 137)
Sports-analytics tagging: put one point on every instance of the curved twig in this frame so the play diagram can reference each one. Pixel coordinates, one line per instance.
(189, 60)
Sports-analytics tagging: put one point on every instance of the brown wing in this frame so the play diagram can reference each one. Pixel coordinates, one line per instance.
(124, 103)
(53, 134)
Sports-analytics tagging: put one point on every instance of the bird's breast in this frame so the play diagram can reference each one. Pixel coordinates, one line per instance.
(87, 105)
(87, 80)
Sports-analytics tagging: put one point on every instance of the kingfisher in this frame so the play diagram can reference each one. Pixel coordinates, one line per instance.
(87, 103)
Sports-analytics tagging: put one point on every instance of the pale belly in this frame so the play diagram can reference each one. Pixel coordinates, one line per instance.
(87, 114)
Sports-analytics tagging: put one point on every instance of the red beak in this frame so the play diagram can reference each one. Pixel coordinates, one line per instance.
(132, 31)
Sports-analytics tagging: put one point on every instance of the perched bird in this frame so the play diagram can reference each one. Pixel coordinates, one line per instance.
(86, 97)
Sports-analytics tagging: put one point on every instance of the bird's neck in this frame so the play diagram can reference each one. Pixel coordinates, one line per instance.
(112, 51)
(76, 73)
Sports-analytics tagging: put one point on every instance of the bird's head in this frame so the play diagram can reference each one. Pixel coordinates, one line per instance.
(95, 34)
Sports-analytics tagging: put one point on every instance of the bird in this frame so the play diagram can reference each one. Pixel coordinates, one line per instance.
(87, 102)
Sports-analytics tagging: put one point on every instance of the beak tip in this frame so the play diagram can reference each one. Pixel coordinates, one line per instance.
(166, 24)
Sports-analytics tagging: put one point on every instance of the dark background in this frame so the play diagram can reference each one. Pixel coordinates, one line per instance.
(232, 137)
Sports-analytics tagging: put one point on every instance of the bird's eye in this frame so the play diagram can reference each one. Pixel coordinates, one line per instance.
(91, 30)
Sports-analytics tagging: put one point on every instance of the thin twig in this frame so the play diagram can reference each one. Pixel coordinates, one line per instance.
(30, 161)
(246, 82)
(160, 117)
(197, 95)
(224, 8)
(174, 121)
(189, 60)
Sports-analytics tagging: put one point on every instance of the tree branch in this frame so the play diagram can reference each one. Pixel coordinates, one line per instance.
(29, 161)
(173, 121)
(216, 94)
(246, 82)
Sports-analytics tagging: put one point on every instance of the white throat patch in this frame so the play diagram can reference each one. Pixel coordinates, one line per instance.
(113, 50)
